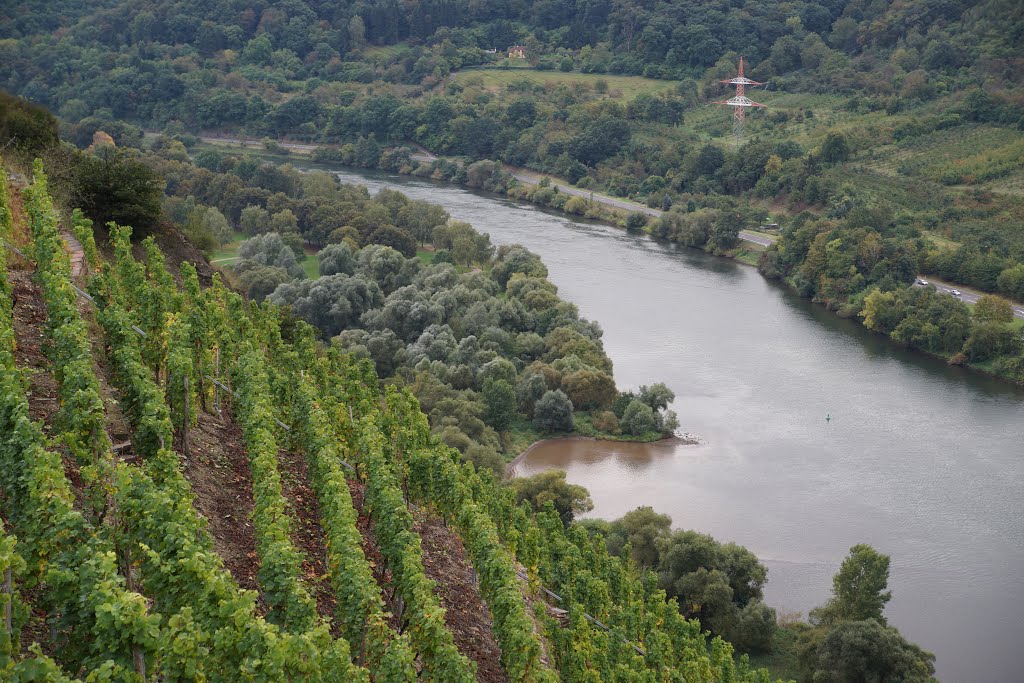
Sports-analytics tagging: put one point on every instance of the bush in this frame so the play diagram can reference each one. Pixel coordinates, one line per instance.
(638, 418)
(337, 258)
(553, 412)
(754, 628)
(636, 221)
(605, 421)
(576, 205)
(114, 186)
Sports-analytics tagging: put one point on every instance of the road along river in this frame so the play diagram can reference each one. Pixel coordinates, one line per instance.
(923, 461)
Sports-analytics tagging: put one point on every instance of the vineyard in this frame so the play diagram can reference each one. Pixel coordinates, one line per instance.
(110, 572)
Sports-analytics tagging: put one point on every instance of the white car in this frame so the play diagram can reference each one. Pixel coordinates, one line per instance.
(955, 292)
(922, 282)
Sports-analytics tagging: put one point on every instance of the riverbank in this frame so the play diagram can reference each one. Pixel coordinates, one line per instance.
(527, 185)
(554, 194)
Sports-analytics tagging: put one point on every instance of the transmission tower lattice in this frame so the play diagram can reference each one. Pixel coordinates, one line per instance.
(740, 103)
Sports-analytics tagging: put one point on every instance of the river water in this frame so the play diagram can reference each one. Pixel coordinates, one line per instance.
(922, 461)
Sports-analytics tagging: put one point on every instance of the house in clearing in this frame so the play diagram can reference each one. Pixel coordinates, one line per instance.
(517, 52)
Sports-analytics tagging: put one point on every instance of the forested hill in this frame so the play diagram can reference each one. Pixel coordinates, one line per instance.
(157, 61)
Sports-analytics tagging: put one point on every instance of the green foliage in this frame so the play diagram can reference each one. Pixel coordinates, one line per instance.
(435, 476)
(81, 417)
(213, 630)
(835, 149)
(30, 129)
(717, 583)
(553, 412)
(538, 490)
(865, 651)
(401, 550)
(291, 605)
(754, 628)
(209, 628)
(113, 185)
(336, 259)
(993, 309)
(859, 589)
(637, 419)
(500, 401)
(359, 608)
(82, 228)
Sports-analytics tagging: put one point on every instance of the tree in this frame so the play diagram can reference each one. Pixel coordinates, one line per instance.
(254, 220)
(835, 149)
(114, 186)
(267, 250)
(466, 245)
(333, 303)
(883, 311)
(753, 628)
(336, 258)
(553, 412)
(708, 160)
(284, 221)
(400, 240)
(657, 396)
(29, 128)
(993, 309)
(858, 589)
(261, 281)
(589, 389)
(638, 419)
(988, 340)
(568, 499)
(516, 258)
(864, 650)
(641, 529)
(500, 401)
(705, 595)
(529, 390)
(357, 33)
(636, 221)
(218, 226)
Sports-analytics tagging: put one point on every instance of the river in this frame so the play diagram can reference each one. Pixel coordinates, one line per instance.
(920, 460)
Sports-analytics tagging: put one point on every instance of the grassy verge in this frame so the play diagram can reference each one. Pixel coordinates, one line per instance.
(782, 661)
(425, 256)
(228, 251)
(311, 266)
(748, 254)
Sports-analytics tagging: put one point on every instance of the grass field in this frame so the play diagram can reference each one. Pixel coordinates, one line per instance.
(619, 87)
(426, 257)
(383, 50)
(229, 251)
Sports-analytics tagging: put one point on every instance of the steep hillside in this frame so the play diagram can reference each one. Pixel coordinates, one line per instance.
(370, 551)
